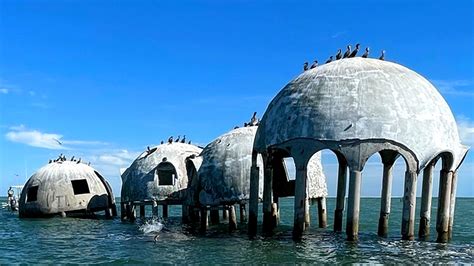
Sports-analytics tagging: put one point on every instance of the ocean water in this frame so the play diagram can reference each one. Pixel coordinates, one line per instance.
(73, 240)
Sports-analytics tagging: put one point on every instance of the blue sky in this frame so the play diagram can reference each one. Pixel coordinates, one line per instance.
(108, 78)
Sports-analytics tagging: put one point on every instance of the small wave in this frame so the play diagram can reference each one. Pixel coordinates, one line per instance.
(151, 226)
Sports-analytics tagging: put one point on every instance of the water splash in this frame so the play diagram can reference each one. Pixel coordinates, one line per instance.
(152, 226)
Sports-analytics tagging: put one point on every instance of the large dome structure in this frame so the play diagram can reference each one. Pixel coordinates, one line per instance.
(356, 107)
(66, 188)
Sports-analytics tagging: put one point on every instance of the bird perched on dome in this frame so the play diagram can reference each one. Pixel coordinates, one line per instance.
(177, 139)
(382, 56)
(170, 139)
(366, 54)
(339, 54)
(348, 52)
(189, 142)
(314, 65)
(79, 161)
(162, 142)
(356, 50)
(253, 120)
(305, 66)
(184, 139)
(72, 158)
(331, 58)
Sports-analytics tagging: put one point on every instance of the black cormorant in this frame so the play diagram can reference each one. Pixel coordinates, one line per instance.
(79, 161)
(339, 54)
(170, 139)
(330, 59)
(72, 158)
(184, 139)
(315, 64)
(348, 52)
(253, 120)
(177, 140)
(305, 66)
(366, 54)
(356, 50)
(162, 142)
(189, 142)
(382, 56)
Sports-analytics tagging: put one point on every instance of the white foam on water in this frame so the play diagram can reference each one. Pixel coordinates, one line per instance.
(151, 226)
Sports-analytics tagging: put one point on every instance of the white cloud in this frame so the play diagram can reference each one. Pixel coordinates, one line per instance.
(455, 87)
(4, 91)
(466, 130)
(35, 138)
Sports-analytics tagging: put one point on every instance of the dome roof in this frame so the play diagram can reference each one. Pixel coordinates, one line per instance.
(64, 186)
(140, 180)
(225, 170)
(363, 99)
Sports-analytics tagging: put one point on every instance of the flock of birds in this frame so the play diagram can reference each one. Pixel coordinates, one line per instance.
(254, 121)
(178, 139)
(348, 54)
(62, 158)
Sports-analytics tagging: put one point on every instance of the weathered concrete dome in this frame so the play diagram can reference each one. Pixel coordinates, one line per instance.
(224, 175)
(65, 186)
(158, 174)
(363, 99)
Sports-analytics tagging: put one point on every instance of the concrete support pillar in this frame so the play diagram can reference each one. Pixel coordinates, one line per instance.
(276, 210)
(142, 211)
(426, 196)
(301, 200)
(243, 213)
(108, 213)
(386, 199)
(452, 203)
(154, 209)
(444, 197)
(185, 213)
(409, 205)
(307, 213)
(114, 210)
(268, 218)
(341, 195)
(165, 210)
(353, 205)
(123, 211)
(214, 215)
(133, 215)
(225, 214)
(232, 218)
(253, 201)
(322, 214)
(204, 219)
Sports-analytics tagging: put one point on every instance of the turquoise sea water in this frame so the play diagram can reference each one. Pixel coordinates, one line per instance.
(73, 240)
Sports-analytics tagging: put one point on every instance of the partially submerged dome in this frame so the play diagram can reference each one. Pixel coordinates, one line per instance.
(224, 175)
(65, 187)
(159, 173)
(361, 99)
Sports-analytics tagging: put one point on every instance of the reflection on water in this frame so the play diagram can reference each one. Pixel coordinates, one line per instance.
(62, 240)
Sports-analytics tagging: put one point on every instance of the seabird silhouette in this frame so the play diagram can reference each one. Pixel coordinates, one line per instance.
(356, 50)
(170, 139)
(382, 56)
(305, 66)
(339, 54)
(315, 64)
(72, 158)
(330, 59)
(366, 54)
(253, 120)
(79, 161)
(348, 52)
(184, 139)
(177, 140)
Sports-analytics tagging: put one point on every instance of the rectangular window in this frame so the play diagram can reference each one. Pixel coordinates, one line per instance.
(290, 168)
(80, 186)
(32, 194)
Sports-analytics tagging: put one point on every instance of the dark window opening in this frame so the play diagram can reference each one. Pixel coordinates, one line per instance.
(166, 174)
(80, 186)
(32, 194)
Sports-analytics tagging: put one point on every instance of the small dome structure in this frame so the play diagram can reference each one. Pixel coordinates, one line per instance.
(224, 175)
(357, 107)
(158, 173)
(66, 187)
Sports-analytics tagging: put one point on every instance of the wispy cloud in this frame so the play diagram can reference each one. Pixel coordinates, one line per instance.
(36, 138)
(466, 130)
(455, 87)
(3, 91)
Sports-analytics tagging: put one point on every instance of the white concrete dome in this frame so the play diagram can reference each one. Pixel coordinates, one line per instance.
(363, 99)
(159, 173)
(65, 186)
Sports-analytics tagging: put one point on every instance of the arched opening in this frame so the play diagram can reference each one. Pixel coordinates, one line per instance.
(165, 174)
